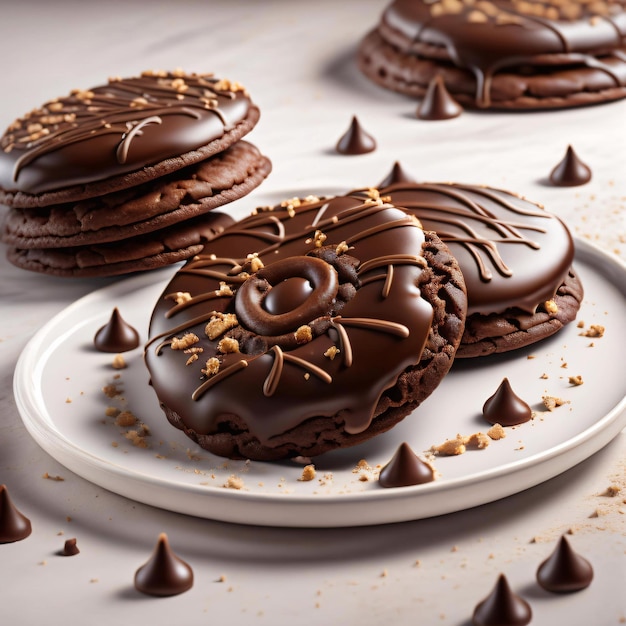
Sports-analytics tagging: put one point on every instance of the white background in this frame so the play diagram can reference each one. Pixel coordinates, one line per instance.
(297, 60)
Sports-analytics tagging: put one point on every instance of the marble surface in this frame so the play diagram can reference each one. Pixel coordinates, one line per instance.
(297, 60)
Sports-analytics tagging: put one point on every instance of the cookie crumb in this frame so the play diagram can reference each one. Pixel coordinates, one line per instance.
(308, 473)
(125, 419)
(58, 479)
(612, 491)
(118, 362)
(496, 432)
(575, 380)
(234, 482)
(594, 330)
(552, 402)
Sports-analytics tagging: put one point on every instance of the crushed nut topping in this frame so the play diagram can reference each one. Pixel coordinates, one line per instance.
(179, 297)
(342, 248)
(228, 345)
(212, 367)
(332, 352)
(304, 334)
(219, 324)
(184, 342)
(318, 239)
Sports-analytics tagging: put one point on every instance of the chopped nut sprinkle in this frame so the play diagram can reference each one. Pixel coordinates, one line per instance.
(228, 345)
(184, 342)
(551, 307)
(304, 334)
(118, 362)
(212, 367)
(332, 352)
(219, 324)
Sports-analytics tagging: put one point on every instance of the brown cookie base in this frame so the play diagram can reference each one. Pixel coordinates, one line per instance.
(135, 254)
(442, 285)
(493, 334)
(76, 193)
(152, 206)
(554, 87)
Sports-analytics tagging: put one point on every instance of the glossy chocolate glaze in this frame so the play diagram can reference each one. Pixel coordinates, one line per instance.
(571, 171)
(117, 128)
(164, 574)
(356, 140)
(502, 607)
(513, 254)
(14, 526)
(564, 571)
(437, 103)
(505, 407)
(364, 318)
(116, 335)
(405, 468)
(502, 34)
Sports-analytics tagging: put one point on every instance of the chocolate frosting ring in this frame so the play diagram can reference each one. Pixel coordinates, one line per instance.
(251, 295)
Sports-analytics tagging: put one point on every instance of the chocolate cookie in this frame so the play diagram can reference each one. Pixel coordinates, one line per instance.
(502, 54)
(143, 252)
(516, 259)
(122, 134)
(306, 327)
(152, 206)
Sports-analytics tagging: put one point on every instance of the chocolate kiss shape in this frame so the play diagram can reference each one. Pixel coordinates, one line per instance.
(505, 407)
(564, 570)
(70, 548)
(356, 140)
(164, 574)
(502, 607)
(438, 104)
(117, 335)
(571, 171)
(404, 469)
(13, 525)
(396, 175)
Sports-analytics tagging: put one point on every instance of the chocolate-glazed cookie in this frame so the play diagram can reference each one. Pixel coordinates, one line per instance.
(502, 54)
(118, 135)
(153, 206)
(134, 254)
(515, 256)
(306, 327)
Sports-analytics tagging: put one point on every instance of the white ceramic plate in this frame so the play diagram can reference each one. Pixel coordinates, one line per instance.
(60, 377)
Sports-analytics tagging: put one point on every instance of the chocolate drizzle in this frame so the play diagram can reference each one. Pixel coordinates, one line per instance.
(14, 526)
(505, 407)
(564, 571)
(502, 607)
(94, 134)
(404, 469)
(116, 335)
(511, 251)
(164, 574)
(319, 289)
(571, 171)
(437, 103)
(356, 140)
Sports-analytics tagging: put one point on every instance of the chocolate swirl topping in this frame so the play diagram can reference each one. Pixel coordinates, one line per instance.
(117, 128)
(302, 310)
(511, 251)
(490, 36)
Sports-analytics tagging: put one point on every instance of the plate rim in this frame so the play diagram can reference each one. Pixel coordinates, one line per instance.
(88, 465)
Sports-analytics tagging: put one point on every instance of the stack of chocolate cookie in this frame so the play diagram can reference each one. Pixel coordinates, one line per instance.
(123, 177)
(502, 54)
